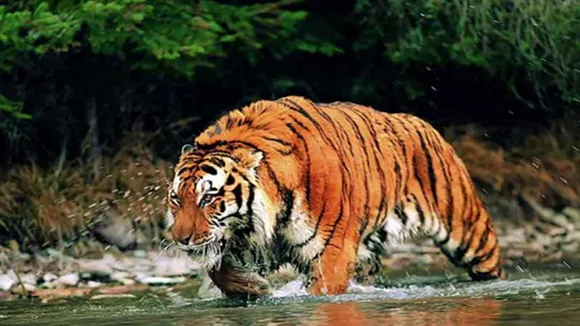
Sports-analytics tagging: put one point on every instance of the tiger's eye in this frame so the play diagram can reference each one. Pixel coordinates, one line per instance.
(207, 198)
(174, 197)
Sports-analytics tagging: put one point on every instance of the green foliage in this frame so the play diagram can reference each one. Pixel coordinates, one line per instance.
(175, 35)
(535, 41)
(12, 108)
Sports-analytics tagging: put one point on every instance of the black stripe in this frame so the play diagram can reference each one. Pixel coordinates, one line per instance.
(249, 205)
(431, 172)
(484, 238)
(282, 142)
(287, 206)
(342, 131)
(306, 182)
(464, 246)
(419, 211)
(400, 212)
(307, 177)
(366, 172)
(238, 195)
(218, 161)
(183, 170)
(315, 232)
(295, 107)
(208, 169)
(401, 142)
(446, 175)
(480, 259)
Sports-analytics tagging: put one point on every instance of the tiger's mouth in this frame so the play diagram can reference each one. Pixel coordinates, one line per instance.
(195, 248)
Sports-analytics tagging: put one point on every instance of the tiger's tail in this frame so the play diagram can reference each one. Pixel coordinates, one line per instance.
(455, 216)
(475, 246)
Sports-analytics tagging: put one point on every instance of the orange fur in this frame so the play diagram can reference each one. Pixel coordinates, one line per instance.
(335, 177)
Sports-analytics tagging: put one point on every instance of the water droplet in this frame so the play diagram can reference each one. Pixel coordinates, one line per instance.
(566, 264)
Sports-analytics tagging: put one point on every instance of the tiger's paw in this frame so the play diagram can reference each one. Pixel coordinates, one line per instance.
(240, 283)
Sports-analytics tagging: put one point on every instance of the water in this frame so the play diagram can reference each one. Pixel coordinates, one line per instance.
(541, 295)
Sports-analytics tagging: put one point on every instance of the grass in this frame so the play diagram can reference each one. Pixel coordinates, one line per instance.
(41, 208)
(544, 166)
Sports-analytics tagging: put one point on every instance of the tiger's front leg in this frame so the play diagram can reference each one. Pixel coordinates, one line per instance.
(238, 282)
(333, 268)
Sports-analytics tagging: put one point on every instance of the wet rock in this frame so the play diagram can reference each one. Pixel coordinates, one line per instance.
(23, 288)
(116, 276)
(71, 279)
(49, 277)
(98, 267)
(154, 280)
(123, 278)
(208, 290)
(140, 253)
(6, 282)
(28, 279)
(127, 281)
(175, 266)
(94, 284)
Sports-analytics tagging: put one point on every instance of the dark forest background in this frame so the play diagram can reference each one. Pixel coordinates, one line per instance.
(97, 97)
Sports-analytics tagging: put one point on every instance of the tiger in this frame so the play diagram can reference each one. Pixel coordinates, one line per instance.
(323, 187)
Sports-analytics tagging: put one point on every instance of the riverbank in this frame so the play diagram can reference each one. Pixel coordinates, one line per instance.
(52, 275)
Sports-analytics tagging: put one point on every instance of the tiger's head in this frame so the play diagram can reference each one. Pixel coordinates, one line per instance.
(211, 196)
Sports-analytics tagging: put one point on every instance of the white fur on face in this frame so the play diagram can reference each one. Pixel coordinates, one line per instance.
(210, 181)
(169, 219)
(176, 183)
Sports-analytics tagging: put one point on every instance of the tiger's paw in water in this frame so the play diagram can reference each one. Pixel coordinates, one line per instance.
(240, 283)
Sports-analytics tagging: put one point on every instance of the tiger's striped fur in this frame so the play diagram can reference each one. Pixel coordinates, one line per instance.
(323, 187)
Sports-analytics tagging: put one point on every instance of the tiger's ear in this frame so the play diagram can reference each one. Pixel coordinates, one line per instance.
(252, 159)
(187, 148)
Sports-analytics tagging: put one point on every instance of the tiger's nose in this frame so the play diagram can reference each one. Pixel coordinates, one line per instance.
(184, 240)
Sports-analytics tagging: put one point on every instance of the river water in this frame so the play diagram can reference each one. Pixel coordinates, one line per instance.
(539, 295)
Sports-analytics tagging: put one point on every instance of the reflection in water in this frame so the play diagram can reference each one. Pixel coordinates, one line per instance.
(449, 312)
(460, 311)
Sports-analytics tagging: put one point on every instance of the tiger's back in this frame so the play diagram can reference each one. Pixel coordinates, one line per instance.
(339, 181)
